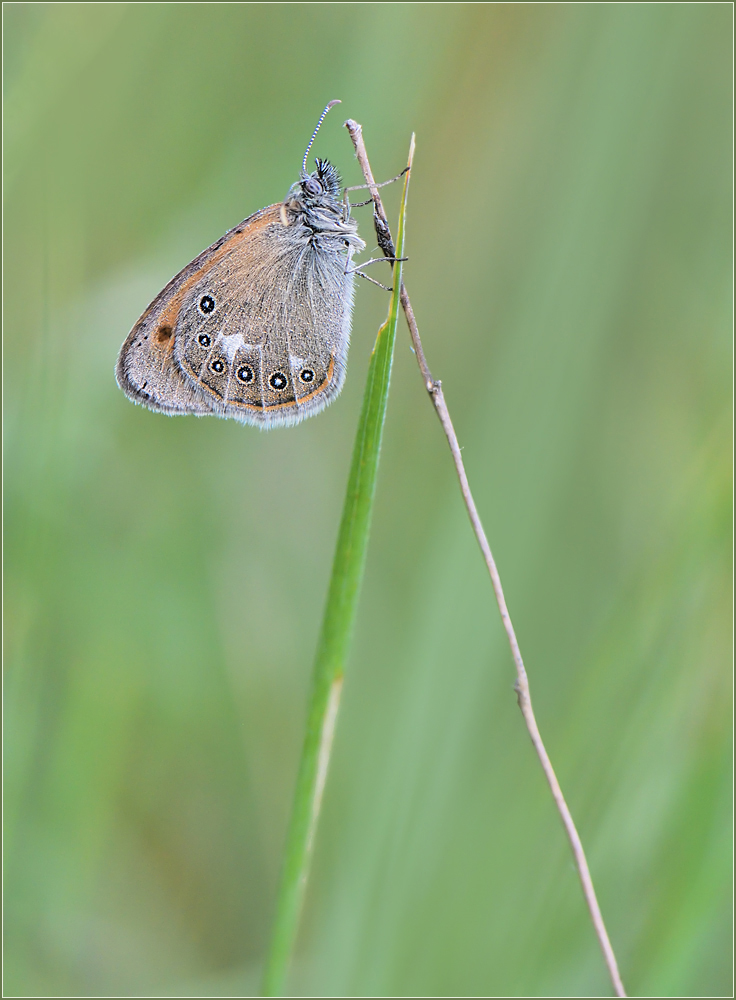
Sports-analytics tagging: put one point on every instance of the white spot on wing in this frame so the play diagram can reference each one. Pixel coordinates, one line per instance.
(231, 344)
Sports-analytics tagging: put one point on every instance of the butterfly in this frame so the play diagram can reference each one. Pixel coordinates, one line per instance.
(257, 327)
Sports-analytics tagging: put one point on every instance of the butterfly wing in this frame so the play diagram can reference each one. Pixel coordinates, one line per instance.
(262, 332)
(146, 369)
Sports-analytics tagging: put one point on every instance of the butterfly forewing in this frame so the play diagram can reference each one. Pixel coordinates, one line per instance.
(147, 370)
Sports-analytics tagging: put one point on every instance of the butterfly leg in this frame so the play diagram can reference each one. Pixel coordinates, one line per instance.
(364, 187)
(378, 260)
(372, 280)
(373, 260)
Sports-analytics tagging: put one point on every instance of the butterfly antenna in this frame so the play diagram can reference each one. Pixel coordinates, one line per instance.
(321, 119)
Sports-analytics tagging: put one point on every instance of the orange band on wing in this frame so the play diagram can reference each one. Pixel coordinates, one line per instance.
(264, 407)
(324, 382)
(170, 315)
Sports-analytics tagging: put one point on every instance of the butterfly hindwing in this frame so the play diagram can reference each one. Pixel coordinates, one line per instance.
(258, 334)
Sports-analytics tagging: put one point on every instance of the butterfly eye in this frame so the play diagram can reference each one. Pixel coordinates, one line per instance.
(313, 186)
(204, 340)
(206, 304)
(217, 366)
(278, 381)
(245, 374)
(306, 375)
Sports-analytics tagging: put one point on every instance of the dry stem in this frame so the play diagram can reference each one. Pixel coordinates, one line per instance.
(434, 388)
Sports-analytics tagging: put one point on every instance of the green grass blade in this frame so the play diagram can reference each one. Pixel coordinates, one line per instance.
(335, 637)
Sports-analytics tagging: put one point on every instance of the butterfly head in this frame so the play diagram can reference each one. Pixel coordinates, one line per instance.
(315, 202)
(325, 180)
(319, 189)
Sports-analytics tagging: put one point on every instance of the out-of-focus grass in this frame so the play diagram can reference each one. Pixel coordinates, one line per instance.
(570, 269)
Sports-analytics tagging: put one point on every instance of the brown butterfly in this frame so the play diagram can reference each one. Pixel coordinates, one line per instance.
(257, 327)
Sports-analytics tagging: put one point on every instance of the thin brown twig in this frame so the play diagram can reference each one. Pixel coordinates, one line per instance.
(434, 388)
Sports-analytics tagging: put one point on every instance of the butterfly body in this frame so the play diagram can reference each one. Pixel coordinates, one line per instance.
(257, 327)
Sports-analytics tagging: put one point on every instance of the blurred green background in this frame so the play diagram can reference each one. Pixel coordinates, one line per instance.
(569, 242)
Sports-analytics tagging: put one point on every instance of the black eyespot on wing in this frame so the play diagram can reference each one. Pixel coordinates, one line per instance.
(214, 375)
(244, 388)
(278, 381)
(204, 339)
(206, 304)
(313, 376)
